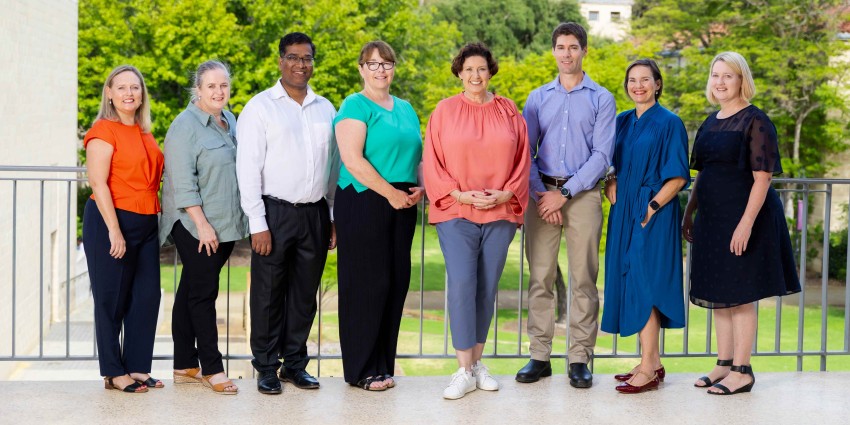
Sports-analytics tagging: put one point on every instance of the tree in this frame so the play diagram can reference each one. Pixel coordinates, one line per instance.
(791, 48)
(509, 27)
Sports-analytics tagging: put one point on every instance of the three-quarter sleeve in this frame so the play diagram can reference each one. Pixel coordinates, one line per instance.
(181, 160)
(518, 181)
(762, 145)
(674, 152)
(439, 184)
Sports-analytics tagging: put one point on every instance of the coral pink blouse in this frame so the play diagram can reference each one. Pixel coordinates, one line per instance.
(470, 146)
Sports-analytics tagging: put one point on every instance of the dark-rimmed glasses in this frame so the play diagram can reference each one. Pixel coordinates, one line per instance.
(294, 60)
(373, 66)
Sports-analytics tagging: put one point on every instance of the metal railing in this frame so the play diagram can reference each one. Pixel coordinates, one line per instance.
(26, 191)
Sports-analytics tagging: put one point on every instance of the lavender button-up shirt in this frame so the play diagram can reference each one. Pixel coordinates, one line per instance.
(571, 133)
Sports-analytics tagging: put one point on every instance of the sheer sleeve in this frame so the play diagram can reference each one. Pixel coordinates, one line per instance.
(762, 145)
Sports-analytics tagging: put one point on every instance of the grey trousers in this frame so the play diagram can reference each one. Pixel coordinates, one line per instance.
(475, 257)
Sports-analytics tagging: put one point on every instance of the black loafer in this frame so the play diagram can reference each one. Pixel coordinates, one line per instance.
(267, 383)
(300, 378)
(580, 376)
(533, 371)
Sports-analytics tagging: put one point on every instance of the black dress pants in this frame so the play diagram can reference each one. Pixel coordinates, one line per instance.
(373, 266)
(125, 290)
(193, 317)
(284, 283)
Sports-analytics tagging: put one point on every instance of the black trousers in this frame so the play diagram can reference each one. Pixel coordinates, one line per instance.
(373, 266)
(193, 316)
(284, 283)
(125, 290)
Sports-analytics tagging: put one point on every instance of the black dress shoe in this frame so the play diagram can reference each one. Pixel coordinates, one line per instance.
(580, 376)
(533, 371)
(300, 378)
(267, 383)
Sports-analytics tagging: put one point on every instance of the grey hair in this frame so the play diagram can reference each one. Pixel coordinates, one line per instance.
(197, 77)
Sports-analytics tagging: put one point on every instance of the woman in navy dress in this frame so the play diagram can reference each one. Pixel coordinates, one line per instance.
(741, 247)
(643, 258)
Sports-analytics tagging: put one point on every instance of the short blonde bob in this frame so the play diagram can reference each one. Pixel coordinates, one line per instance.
(143, 113)
(740, 67)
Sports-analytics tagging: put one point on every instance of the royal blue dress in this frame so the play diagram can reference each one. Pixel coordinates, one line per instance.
(643, 265)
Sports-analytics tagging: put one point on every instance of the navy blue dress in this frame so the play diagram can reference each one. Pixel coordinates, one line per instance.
(643, 265)
(726, 152)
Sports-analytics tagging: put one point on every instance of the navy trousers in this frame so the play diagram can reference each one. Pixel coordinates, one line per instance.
(125, 290)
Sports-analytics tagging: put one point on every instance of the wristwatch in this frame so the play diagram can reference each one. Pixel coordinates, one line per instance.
(566, 193)
(654, 205)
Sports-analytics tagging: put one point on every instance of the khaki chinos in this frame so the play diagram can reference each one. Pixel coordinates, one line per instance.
(582, 227)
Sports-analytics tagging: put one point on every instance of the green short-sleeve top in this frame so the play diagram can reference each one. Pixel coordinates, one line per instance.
(393, 139)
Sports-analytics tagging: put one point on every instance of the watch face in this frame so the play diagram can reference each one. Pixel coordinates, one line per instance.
(654, 205)
(566, 193)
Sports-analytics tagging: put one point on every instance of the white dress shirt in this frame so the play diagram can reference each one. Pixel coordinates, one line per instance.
(286, 150)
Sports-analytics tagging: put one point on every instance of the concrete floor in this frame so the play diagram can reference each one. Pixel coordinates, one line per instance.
(778, 398)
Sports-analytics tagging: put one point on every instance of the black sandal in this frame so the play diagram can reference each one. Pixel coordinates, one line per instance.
(134, 388)
(745, 369)
(707, 381)
(389, 377)
(151, 383)
(366, 383)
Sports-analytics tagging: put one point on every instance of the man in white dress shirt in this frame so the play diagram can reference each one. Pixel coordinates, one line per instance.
(287, 164)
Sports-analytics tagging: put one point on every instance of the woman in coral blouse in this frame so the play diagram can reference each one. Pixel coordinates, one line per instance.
(475, 164)
(124, 166)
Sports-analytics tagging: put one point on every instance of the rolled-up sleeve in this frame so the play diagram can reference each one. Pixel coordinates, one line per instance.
(250, 157)
(181, 160)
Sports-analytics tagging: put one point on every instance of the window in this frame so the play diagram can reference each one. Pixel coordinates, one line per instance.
(615, 16)
(593, 15)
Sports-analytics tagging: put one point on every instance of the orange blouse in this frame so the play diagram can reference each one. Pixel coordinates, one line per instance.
(470, 146)
(136, 169)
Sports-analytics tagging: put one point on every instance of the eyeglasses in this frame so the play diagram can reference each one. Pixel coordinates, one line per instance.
(293, 60)
(373, 66)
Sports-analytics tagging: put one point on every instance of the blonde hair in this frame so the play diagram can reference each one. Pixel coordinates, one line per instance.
(107, 110)
(740, 67)
(197, 77)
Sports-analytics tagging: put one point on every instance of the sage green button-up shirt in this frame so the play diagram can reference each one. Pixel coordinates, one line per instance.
(200, 169)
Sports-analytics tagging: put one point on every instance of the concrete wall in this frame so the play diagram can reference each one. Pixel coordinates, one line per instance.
(38, 126)
(603, 25)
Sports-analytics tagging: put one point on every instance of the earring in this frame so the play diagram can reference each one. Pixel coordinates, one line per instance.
(110, 101)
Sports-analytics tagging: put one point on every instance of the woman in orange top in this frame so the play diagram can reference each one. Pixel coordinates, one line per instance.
(476, 164)
(120, 235)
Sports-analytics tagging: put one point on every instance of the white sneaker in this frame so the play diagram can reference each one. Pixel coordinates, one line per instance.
(462, 383)
(483, 379)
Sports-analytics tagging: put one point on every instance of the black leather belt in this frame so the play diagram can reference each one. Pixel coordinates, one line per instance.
(554, 181)
(290, 204)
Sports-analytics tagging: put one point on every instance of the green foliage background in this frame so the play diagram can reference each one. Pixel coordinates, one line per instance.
(790, 44)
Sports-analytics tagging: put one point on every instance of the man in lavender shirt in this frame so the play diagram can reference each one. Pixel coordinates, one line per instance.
(571, 133)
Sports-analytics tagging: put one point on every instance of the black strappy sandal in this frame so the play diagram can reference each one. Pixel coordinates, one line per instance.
(366, 383)
(134, 388)
(745, 369)
(151, 382)
(707, 381)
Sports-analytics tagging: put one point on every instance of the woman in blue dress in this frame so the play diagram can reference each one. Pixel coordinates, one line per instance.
(643, 256)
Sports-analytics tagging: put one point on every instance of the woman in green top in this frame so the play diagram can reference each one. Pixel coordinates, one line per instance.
(201, 213)
(380, 145)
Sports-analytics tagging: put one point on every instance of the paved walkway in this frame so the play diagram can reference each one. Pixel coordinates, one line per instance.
(779, 398)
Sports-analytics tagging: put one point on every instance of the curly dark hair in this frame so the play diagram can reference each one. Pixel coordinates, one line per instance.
(475, 49)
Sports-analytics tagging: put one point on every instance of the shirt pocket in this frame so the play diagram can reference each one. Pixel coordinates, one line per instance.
(321, 133)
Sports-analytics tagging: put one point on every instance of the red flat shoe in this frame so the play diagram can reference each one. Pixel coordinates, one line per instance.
(627, 388)
(623, 377)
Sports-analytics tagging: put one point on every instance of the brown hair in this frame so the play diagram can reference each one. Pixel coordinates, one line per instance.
(107, 110)
(474, 49)
(570, 28)
(656, 74)
(385, 51)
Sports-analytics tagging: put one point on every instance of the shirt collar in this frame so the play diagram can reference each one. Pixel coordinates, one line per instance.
(586, 82)
(204, 117)
(278, 92)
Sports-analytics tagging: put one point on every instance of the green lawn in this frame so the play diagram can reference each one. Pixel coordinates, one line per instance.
(434, 343)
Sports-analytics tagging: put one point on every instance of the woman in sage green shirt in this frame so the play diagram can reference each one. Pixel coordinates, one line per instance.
(202, 215)
(380, 145)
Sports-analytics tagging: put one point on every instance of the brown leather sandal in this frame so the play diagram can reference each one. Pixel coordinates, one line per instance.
(219, 388)
(187, 376)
